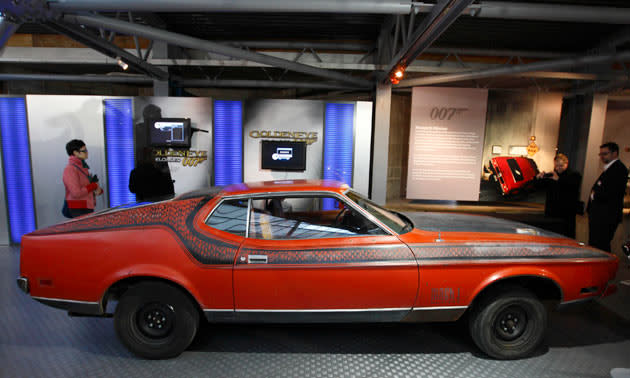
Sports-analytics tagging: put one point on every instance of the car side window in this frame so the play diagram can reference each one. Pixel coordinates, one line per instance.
(230, 216)
(307, 218)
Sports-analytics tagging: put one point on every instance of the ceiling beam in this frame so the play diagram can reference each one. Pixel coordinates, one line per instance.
(109, 49)
(318, 6)
(200, 44)
(78, 78)
(184, 83)
(7, 28)
(202, 83)
(541, 12)
(549, 65)
(441, 17)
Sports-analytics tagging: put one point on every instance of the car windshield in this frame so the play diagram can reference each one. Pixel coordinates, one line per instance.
(398, 224)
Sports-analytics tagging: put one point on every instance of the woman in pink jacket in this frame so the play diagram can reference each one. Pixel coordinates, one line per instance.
(81, 187)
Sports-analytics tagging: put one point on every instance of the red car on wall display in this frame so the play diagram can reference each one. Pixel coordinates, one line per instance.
(513, 174)
(304, 252)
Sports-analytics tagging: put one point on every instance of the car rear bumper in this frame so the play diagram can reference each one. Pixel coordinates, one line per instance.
(610, 289)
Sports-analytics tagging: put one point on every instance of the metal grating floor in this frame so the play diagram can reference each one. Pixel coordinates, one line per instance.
(39, 341)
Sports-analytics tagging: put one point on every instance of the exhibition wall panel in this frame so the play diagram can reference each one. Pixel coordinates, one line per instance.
(362, 147)
(187, 176)
(228, 142)
(445, 143)
(548, 107)
(53, 121)
(16, 167)
(119, 147)
(263, 118)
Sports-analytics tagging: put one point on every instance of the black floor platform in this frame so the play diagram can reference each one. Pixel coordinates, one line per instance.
(39, 341)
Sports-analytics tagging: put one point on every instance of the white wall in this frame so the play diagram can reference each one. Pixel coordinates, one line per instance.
(282, 115)
(362, 146)
(52, 122)
(548, 107)
(199, 110)
(593, 166)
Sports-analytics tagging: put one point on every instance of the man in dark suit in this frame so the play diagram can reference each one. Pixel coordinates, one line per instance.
(605, 205)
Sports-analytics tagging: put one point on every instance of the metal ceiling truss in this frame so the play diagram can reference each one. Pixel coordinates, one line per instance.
(442, 15)
(519, 69)
(279, 6)
(196, 43)
(7, 28)
(107, 48)
(482, 9)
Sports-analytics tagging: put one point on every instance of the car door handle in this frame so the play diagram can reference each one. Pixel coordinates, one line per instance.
(257, 259)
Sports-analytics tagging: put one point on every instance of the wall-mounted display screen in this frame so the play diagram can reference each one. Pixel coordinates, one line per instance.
(170, 132)
(283, 156)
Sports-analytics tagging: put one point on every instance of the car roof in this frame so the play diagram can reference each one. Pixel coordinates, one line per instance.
(285, 186)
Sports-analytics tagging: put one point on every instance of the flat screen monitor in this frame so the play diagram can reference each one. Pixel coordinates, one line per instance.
(170, 132)
(283, 156)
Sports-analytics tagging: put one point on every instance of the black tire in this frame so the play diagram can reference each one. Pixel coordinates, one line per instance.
(155, 320)
(509, 324)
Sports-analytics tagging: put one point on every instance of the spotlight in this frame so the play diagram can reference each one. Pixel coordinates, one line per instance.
(396, 75)
(121, 63)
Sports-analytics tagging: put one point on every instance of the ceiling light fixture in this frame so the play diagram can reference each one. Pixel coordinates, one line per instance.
(121, 63)
(397, 74)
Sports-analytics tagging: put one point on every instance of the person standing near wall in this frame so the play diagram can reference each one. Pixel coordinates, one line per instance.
(605, 205)
(563, 193)
(81, 187)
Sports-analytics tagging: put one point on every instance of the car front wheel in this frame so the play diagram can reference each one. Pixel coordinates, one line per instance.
(155, 320)
(509, 325)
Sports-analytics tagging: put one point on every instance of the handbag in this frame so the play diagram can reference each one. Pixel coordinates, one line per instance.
(65, 210)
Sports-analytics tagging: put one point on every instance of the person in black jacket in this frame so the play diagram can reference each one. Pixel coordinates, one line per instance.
(605, 205)
(149, 181)
(563, 192)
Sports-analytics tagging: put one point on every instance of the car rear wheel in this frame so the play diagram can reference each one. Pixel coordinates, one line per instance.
(508, 325)
(155, 320)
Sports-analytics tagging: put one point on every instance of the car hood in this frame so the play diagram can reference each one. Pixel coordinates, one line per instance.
(452, 222)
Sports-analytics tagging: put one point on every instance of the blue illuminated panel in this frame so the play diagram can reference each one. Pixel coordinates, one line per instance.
(17, 167)
(120, 150)
(228, 142)
(338, 145)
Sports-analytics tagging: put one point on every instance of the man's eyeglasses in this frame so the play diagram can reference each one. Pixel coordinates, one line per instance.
(83, 150)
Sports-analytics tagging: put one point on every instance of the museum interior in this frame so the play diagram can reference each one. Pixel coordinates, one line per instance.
(439, 106)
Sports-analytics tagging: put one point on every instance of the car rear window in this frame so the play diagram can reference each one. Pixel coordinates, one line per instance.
(230, 216)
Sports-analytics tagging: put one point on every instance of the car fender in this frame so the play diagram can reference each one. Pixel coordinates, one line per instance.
(516, 272)
(151, 271)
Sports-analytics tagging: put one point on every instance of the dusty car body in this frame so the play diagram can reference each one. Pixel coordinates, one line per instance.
(242, 254)
(513, 174)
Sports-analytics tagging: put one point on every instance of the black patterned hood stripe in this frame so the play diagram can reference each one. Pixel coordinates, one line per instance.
(497, 251)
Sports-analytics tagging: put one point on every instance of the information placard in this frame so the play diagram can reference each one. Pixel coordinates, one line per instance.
(446, 143)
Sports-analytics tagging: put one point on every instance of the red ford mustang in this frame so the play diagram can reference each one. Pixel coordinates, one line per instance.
(306, 251)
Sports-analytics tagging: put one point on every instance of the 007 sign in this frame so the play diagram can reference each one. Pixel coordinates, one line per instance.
(445, 113)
